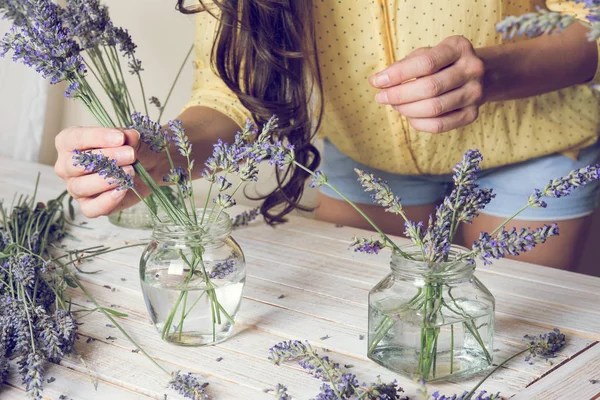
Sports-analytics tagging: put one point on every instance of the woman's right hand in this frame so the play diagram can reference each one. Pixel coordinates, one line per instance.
(94, 193)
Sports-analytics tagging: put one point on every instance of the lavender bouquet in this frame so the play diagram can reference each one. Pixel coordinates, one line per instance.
(73, 44)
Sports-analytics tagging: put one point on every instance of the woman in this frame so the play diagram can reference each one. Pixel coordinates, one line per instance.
(358, 73)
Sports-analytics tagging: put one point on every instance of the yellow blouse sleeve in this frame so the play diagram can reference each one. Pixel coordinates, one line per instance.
(208, 89)
(578, 11)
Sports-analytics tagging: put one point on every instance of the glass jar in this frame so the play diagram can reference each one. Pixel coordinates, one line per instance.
(192, 280)
(134, 217)
(431, 320)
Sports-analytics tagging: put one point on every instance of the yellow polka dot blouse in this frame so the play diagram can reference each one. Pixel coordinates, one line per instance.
(357, 38)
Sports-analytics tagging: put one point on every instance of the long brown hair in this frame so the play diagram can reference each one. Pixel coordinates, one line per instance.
(265, 52)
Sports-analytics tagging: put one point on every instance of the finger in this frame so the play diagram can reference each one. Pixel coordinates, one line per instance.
(423, 88)
(426, 63)
(446, 122)
(85, 138)
(103, 204)
(92, 184)
(124, 155)
(462, 97)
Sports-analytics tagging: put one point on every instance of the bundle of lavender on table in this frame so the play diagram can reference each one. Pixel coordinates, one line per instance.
(36, 325)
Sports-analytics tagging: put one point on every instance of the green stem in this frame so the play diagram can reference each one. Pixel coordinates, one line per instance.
(468, 396)
(143, 92)
(164, 105)
(361, 212)
(114, 322)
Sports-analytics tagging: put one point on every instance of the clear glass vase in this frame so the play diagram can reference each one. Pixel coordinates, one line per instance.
(431, 320)
(134, 217)
(192, 280)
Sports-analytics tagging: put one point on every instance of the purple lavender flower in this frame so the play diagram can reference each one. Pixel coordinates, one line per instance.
(179, 176)
(511, 242)
(4, 369)
(155, 102)
(222, 184)
(104, 167)
(414, 231)
(44, 43)
(127, 47)
(368, 246)
(74, 90)
(545, 345)
(465, 172)
(561, 187)
(339, 384)
(23, 270)
(221, 270)
(224, 200)
(318, 180)
(184, 147)
(381, 391)
(245, 217)
(382, 194)
(481, 396)
(48, 336)
(534, 24)
(188, 386)
(437, 240)
(67, 330)
(31, 367)
(150, 132)
(281, 392)
(90, 23)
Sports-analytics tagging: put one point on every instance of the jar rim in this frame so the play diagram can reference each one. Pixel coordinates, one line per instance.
(446, 269)
(210, 227)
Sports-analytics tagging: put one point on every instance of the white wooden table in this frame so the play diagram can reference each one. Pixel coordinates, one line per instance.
(324, 288)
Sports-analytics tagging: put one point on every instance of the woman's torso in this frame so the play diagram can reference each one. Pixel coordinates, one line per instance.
(357, 38)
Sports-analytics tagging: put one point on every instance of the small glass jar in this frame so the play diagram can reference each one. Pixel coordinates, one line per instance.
(192, 280)
(431, 320)
(134, 217)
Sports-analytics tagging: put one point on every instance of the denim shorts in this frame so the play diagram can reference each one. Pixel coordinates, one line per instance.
(512, 184)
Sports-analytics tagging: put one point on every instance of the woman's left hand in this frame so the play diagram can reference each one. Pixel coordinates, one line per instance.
(438, 88)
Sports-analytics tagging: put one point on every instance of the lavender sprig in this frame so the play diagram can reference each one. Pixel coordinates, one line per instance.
(381, 192)
(104, 166)
(340, 385)
(544, 345)
(511, 242)
(367, 246)
(564, 186)
(245, 217)
(543, 21)
(483, 395)
(534, 24)
(223, 269)
(188, 386)
(150, 132)
(281, 393)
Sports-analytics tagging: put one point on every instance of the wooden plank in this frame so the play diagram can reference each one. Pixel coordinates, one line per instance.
(571, 379)
(76, 385)
(116, 364)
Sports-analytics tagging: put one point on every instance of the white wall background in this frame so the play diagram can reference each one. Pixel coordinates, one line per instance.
(23, 102)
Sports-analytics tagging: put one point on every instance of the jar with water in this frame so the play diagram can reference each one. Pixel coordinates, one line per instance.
(431, 320)
(192, 280)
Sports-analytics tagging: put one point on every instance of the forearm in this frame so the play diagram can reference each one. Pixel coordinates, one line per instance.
(540, 65)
